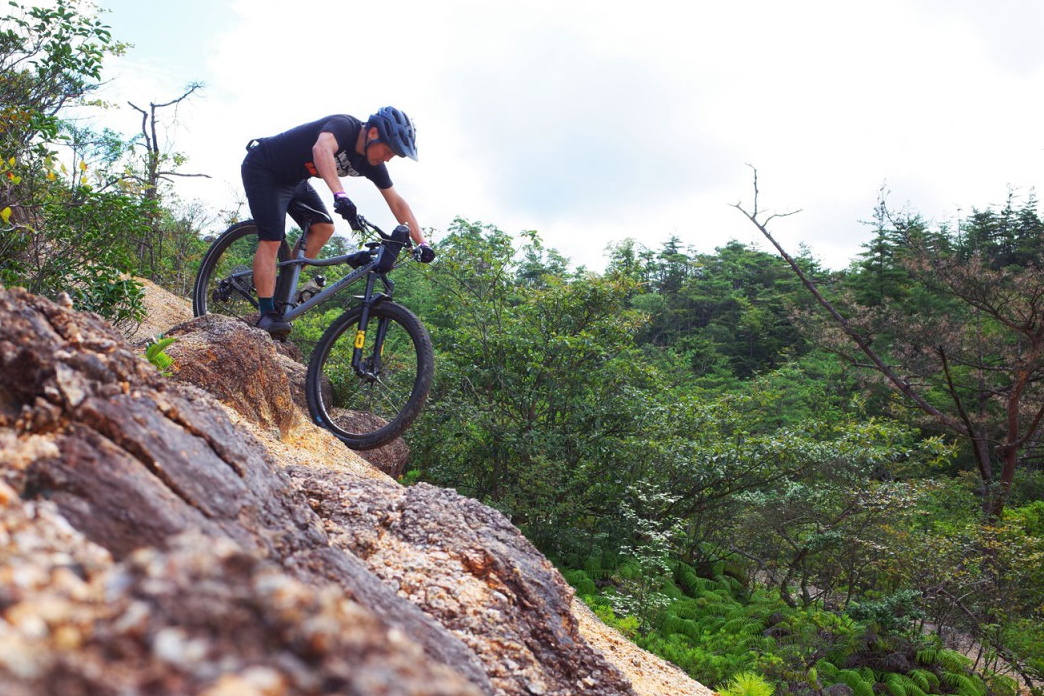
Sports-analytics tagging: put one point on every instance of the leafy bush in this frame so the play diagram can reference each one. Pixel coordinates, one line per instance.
(749, 639)
(894, 612)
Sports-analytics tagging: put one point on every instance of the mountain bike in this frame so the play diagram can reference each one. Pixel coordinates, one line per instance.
(369, 373)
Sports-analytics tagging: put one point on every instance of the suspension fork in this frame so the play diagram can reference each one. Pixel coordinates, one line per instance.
(369, 369)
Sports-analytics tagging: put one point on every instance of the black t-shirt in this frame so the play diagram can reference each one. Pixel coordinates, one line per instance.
(289, 155)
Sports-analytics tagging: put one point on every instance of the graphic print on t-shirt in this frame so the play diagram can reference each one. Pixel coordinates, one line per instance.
(344, 167)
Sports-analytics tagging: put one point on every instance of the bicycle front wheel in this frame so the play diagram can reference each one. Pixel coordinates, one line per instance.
(372, 405)
(225, 280)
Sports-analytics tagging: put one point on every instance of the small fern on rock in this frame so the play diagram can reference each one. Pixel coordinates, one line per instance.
(154, 353)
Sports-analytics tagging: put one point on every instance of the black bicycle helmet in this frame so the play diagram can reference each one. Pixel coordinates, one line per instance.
(396, 130)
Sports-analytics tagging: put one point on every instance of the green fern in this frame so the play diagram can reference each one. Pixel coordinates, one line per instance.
(595, 568)
(743, 626)
(953, 661)
(963, 684)
(870, 675)
(673, 624)
(926, 681)
(580, 581)
(1000, 684)
(630, 570)
(904, 685)
(928, 656)
(686, 608)
(686, 576)
(895, 684)
(827, 670)
(155, 355)
(855, 680)
(747, 684)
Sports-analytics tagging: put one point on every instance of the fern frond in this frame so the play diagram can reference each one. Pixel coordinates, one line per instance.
(855, 681)
(928, 656)
(686, 576)
(580, 581)
(963, 684)
(953, 661)
(905, 685)
(870, 675)
(744, 627)
(594, 568)
(747, 684)
(895, 684)
(827, 670)
(925, 680)
(672, 624)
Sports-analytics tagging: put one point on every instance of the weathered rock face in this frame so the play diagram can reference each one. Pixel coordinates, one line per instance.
(201, 617)
(468, 567)
(198, 563)
(237, 367)
(262, 380)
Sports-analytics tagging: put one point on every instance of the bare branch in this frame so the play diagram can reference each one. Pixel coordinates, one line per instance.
(903, 386)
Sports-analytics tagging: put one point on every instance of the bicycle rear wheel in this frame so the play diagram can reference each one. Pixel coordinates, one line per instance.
(225, 279)
(372, 410)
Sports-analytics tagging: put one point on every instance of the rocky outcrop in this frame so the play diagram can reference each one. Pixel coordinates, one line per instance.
(201, 617)
(148, 532)
(262, 380)
(465, 565)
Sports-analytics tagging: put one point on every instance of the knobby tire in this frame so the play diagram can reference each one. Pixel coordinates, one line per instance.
(364, 413)
(230, 252)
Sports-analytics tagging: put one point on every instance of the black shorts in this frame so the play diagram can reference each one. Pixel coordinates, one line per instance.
(269, 199)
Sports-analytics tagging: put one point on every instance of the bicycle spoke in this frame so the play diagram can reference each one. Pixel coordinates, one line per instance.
(225, 280)
(369, 410)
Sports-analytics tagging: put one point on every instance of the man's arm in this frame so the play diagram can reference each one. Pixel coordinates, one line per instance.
(323, 158)
(403, 214)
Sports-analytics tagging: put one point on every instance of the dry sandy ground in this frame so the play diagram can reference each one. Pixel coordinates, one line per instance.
(163, 310)
(307, 444)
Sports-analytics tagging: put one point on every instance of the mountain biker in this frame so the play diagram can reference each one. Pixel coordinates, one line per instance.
(276, 170)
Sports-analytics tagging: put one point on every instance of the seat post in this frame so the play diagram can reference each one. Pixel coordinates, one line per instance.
(301, 246)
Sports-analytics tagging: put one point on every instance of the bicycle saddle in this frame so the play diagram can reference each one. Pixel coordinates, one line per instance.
(303, 214)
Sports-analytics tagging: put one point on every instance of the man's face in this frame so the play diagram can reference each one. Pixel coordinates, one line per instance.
(378, 152)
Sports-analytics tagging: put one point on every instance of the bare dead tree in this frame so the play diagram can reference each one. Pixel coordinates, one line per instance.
(160, 165)
(1016, 304)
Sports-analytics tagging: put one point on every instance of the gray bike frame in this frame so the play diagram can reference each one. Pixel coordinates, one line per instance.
(292, 311)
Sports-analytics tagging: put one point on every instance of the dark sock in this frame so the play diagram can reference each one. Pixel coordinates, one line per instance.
(265, 304)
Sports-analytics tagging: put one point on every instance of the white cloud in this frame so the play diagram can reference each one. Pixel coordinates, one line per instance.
(593, 121)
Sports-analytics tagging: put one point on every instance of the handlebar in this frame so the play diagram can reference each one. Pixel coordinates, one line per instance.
(400, 231)
(390, 246)
(370, 227)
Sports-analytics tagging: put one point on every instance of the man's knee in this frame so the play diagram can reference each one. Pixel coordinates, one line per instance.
(322, 230)
(268, 250)
(319, 234)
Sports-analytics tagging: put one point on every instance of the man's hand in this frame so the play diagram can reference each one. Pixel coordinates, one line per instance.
(424, 253)
(344, 207)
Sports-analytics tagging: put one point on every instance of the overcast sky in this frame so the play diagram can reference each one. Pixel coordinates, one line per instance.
(592, 122)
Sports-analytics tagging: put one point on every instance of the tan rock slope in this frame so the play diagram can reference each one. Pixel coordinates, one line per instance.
(169, 536)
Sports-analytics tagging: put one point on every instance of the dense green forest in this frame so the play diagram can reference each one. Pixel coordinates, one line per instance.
(778, 476)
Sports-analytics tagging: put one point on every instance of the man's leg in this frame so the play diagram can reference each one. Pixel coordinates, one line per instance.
(265, 268)
(264, 282)
(318, 235)
(320, 232)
